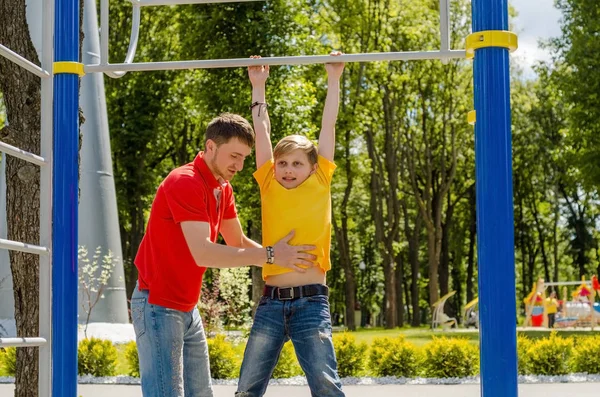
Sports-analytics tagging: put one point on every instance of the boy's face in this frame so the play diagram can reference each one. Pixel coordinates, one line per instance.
(227, 159)
(293, 168)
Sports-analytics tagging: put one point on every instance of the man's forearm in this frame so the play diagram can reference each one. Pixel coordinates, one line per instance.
(222, 256)
(249, 243)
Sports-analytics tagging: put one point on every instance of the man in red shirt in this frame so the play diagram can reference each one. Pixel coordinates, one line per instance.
(192, 206)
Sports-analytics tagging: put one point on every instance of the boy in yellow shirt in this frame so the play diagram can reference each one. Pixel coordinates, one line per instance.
(551, 309)
(295, 188)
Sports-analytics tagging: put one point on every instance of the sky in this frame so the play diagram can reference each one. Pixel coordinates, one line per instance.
(537, 19)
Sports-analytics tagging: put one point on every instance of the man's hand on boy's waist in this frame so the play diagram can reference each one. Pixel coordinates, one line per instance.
(291, 256)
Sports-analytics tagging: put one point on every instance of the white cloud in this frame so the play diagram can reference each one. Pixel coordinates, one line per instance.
(537, 20)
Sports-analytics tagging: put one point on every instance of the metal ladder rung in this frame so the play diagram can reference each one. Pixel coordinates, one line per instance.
(22, 342)
(23, 62)
(22, 154)
(178, 2)
(22, 247)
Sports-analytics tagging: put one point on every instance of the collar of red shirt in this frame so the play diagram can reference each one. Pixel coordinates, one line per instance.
(206, 173)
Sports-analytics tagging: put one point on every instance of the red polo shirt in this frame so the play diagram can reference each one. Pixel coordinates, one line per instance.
(165, 264)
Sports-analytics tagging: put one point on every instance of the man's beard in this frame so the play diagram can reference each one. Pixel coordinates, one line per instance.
(215, 168)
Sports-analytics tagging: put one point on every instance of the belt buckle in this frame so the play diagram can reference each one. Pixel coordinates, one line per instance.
(285, 299)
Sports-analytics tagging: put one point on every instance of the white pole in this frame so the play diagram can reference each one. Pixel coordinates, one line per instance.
(46, 134)
(445, 24)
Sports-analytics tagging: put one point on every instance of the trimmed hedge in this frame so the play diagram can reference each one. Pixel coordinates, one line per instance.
(443, 357)
(96, 357)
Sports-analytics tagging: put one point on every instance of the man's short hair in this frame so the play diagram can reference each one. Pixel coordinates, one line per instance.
(294, 142)
(227, 126)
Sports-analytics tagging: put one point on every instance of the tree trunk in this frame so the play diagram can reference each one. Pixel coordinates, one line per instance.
(555, 236)
(258, 284)
(341, 235)
(384, 236)
(391, 320)
(434, 295)
(22, 97)
(444, 271)
(399, 276)
(412, 236)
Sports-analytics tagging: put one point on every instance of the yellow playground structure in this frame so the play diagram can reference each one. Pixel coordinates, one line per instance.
(579, 309)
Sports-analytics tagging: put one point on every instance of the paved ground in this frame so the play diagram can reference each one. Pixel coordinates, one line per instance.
(525, 390)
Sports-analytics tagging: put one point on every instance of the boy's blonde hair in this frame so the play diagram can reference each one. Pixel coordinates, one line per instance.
(294, 142)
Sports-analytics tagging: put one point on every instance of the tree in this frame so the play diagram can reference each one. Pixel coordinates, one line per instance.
(577, 59)
(22, 97)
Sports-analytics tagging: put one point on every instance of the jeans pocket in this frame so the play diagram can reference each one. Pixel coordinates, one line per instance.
(138, 318)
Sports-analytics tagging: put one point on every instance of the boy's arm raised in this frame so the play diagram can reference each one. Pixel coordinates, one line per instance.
(331, 108)
(260, 117)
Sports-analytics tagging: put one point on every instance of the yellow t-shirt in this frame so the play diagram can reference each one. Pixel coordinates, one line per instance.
(305, 209)
(551, 305)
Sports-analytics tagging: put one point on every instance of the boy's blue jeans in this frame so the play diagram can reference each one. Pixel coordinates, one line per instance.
(172, 350)
(307, 322)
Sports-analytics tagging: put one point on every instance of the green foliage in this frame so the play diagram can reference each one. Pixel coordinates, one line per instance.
(450, 358)
(287, 366)
(394, 357)
(523, 346)
(211, 307)
(550, 356)
(8, 361)
(133, 360)
(586, 355)
(224, 363)
(234, 287)
(349, 354)
(96, 357)
(401, 136)
(94, 275)
(576, 57)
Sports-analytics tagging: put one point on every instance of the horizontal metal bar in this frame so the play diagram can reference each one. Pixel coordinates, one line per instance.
(295, 60)
(22, 247)
(26, 64)
(22, 154)
(22, 342)
(567, 283)
(177, 2)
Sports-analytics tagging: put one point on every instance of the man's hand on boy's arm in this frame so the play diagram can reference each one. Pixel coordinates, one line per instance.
(331, 108)
(260, 117)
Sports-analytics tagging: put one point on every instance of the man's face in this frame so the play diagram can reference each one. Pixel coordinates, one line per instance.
(227, 159)
(293, 168)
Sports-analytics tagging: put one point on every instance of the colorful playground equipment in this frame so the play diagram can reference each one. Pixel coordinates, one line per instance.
(580, 309)
(439, 318)
(471, 314)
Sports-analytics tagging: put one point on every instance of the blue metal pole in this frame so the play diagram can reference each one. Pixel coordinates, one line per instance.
(495, 225)
(64, 202)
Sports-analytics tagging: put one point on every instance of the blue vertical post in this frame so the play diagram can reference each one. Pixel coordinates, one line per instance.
(64, 202)
(495, 225)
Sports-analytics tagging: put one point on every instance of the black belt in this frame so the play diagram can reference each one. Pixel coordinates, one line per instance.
(290, 293)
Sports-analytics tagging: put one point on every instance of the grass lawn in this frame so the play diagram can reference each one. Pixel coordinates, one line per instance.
(417, 336)
(421, 336)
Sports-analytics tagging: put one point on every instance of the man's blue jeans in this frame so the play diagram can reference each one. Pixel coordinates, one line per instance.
(172, 350)
(307, 322)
